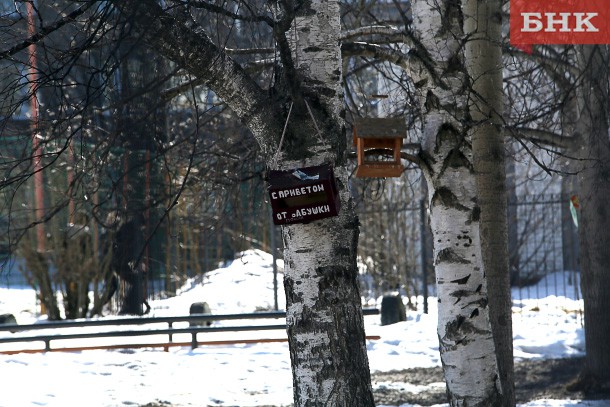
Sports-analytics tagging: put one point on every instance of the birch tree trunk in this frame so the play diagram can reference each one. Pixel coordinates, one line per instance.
(483, 55)
(324, 317)
(464, 328)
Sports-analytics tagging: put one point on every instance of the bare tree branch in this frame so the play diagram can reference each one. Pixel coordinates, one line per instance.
(45, 31)
(373, 30)
(235, 16)
(411, 61)
(364, 49)
(249, 51)
(545, 137)
(196, 53)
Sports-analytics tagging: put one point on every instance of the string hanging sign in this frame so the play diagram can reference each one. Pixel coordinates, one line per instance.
(303, 195)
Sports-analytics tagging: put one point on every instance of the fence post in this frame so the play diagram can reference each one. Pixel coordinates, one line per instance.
(193, 340)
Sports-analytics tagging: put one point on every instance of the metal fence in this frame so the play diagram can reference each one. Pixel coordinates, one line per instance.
(543, 249)
(543, 245)
(542, 237)
(118, 330)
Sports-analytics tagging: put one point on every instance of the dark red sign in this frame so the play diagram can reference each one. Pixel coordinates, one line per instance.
(559, 22)
(303, 195)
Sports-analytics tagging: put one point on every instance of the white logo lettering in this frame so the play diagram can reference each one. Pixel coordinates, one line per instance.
(528, 21)
(533, 22)
(580, 22)
(562, 21)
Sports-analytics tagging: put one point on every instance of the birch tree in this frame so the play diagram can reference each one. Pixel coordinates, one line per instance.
(297, 122)
(324, 319)
(467, 347)
(483, 54)
(303, 108)
(454, 63)
(454, 59)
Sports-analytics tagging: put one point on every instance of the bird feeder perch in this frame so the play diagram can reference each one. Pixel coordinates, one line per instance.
(384, 135)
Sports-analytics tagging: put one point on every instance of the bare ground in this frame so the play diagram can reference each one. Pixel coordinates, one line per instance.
(534, 379)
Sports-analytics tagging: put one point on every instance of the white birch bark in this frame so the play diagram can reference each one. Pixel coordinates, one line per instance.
(324, 318)
(315, 42)
(483, 57)
(465, 336)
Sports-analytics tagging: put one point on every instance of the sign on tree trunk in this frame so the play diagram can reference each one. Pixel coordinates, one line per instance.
(303, 195)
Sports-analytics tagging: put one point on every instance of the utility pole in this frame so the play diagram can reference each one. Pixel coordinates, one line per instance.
(36, 148)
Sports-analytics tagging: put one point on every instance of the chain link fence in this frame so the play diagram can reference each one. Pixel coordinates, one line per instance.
(543, 250)
(543, 247)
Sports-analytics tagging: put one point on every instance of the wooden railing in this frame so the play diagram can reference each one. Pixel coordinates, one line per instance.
(193, 330)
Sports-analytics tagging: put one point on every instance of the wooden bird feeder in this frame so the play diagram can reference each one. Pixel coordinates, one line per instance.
(384, 135)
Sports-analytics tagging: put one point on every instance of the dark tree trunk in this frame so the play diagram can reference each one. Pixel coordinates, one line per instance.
(141, 125)
(594, 225)
(128, 246)
(133, 294)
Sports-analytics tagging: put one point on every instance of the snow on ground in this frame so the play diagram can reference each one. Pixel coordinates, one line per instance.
(248, 374)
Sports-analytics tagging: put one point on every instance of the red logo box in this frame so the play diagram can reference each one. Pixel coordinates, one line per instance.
(559, 22)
